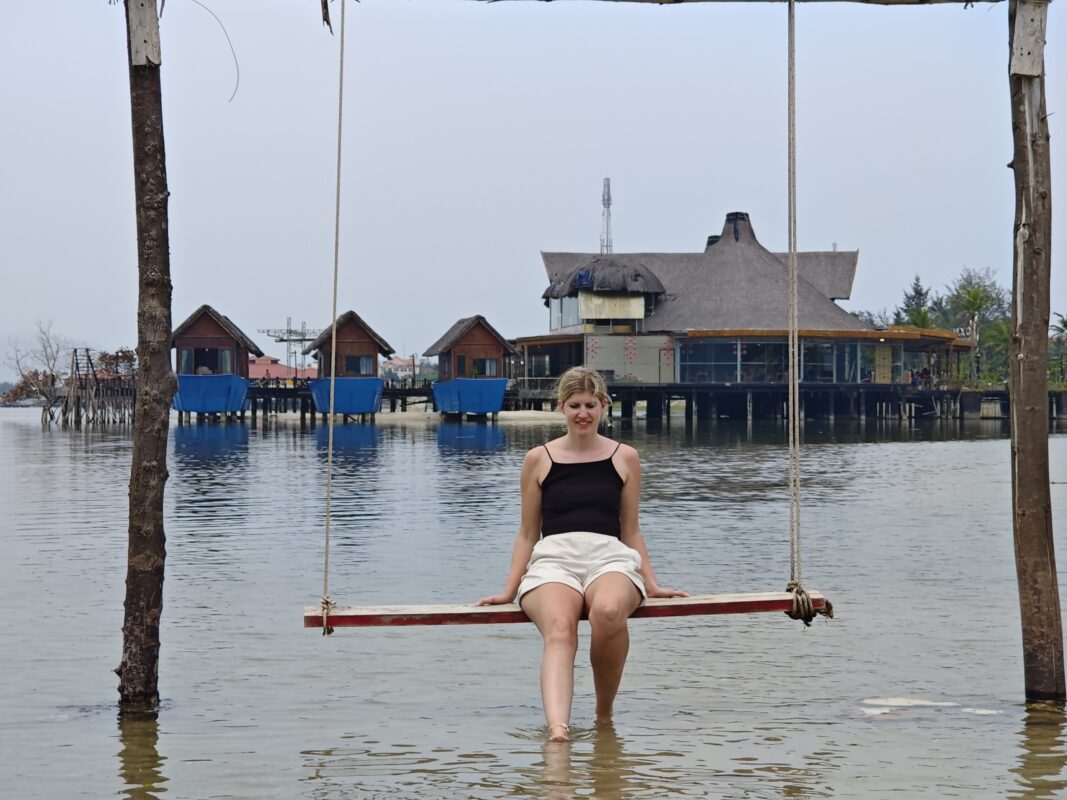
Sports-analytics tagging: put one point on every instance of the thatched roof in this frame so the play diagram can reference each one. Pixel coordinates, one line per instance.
(223, 321)
(605, 273)
(383, 346)
(735, 284)
(456, 332)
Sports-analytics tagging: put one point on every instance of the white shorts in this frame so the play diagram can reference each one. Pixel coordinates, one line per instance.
(579, 558)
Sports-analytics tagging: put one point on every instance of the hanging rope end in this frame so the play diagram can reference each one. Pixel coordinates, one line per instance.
(803, 609)
(327, 606)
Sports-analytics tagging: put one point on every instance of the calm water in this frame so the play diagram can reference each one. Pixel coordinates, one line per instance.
(914, 691)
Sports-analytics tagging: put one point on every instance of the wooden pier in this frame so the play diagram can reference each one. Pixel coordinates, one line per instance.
(697, 402)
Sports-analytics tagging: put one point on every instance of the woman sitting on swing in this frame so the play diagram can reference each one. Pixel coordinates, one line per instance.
(580, 548)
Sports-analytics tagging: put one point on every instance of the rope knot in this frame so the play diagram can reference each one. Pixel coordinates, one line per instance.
(327, 607)
(803, 609)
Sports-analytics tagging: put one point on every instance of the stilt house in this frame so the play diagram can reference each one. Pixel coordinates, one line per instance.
(208, 343)
(358, 348)
(472, 348)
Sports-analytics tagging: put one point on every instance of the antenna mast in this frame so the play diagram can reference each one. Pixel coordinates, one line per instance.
(605, 231)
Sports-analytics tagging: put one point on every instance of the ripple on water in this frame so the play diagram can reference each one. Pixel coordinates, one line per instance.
(736, 706)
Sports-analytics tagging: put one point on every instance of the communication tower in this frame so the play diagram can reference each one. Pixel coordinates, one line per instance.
(295, 340)
(605, 230)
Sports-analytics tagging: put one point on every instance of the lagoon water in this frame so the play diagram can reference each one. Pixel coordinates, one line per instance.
(915, 690)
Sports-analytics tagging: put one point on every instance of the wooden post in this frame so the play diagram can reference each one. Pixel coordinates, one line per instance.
(1035, 559)
(139, 670)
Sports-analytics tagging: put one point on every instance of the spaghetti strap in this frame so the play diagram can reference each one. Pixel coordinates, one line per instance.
(549, 453)
(613, 452)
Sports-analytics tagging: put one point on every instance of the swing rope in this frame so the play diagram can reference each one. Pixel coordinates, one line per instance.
(327, 604)
(803, 608)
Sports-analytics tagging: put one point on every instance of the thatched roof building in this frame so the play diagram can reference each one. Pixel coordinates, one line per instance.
(734, 284)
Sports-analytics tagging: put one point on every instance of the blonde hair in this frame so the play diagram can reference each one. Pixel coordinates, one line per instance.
(582, 379)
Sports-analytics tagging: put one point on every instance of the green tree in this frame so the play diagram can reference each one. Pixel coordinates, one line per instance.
(916, 306)
(974, 301)
(879, 320)
(1058, 346)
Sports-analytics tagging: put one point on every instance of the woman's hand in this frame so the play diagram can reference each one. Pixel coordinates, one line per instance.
(664, 591)
(496, 599)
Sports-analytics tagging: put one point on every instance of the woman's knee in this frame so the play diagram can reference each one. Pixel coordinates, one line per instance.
(608, 615)
(560, 631)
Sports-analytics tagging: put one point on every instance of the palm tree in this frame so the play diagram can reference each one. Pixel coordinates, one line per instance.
(974, 301)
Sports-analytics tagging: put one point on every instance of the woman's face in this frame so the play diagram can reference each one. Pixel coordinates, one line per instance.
(583, 412)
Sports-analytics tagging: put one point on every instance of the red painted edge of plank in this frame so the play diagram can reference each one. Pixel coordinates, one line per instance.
(378, 616)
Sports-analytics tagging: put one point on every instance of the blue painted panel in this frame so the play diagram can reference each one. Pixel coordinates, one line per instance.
(351, 395)
(470, 395)
(210, 394)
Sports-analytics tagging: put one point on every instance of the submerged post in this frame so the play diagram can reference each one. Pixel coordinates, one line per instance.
(139, 671)
(1035, 558)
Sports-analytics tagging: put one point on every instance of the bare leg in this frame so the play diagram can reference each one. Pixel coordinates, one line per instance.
(610, 601)
(555, 609)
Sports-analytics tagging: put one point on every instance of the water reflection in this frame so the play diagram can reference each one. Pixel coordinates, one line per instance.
(350, 442)
(478, 436)
(140, 765)
(209, 460)
(1044, 756)
(207, 444)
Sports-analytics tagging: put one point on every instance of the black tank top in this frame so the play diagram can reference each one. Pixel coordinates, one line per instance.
(581, 497)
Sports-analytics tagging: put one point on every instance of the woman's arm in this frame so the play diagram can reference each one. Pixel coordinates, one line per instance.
(628, 517)
(529, 527)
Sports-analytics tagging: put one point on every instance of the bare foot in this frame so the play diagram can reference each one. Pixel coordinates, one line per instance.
(559, 732)
(604, 721)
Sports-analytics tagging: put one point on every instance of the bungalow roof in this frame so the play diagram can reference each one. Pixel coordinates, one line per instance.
(225, 322)
(453, 334)
(349, 316)
(735, 283)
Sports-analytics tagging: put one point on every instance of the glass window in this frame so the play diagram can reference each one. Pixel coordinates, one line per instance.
(485, 367)
(225, 362)
(867, 363)
(185, 366)
(359, 365)
(569, 312)
(539, 366)
(845, 360)
(553, 314)
(708, 361)
(818, 360)
(764, 362)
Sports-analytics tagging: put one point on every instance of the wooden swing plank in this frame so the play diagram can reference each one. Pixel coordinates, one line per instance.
(469, 614)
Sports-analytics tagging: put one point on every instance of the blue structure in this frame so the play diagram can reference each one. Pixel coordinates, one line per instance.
(351, 395)
(470, 395)
(211, 394)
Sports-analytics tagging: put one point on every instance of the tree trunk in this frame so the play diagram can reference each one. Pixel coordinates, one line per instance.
(139, 671)
(1035, 559)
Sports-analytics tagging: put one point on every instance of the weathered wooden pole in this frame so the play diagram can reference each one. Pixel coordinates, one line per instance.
(139, 671)
(1035, 558)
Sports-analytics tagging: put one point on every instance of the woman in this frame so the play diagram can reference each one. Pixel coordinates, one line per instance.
(579, 549)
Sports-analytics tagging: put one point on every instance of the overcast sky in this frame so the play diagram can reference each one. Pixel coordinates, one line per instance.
(478, 134)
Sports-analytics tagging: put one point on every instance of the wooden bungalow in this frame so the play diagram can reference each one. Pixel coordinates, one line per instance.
(358, 389)
(473, 360)
(472, 348)
(212, 363)
(208, 343)
(358, 348)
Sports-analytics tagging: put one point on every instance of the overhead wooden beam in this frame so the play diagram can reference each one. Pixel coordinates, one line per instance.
(866, 2)
(469, 614)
